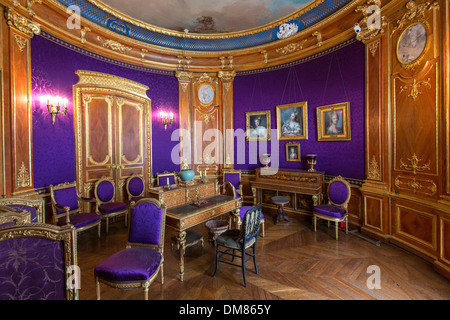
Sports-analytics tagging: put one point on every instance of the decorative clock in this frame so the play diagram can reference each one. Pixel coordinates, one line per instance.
(412, 45)
(205, 94)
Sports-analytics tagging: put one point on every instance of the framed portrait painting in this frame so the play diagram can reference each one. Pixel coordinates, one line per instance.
(333, 122)
(257, 126)
(292, 121)
(293, 151)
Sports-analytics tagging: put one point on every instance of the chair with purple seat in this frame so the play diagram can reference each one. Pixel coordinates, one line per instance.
(37, 262)
(135, 188)
(230, 191)
(138, 264)
(34, 206)
(234, 177)
(67, 208)
(339, 194)
(106, 206)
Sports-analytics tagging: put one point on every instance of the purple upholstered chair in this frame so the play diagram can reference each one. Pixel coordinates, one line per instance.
(135, 188)
(36, 262)
(230, 191)
(339, 194)
(67, 208)
(233, 177)
(137, 266)
(34, 206)
(240, 239)
(162, 179)
(106, 206)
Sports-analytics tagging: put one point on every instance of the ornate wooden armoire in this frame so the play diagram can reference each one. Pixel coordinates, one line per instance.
(112, 131)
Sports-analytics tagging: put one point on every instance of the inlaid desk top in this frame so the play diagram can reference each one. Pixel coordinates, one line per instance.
(188, 215)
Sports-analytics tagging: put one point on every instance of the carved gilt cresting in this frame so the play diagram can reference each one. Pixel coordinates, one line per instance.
(369, 31)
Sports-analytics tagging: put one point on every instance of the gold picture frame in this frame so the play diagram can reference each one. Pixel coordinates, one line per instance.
(292, 121)
(257, 126)
(333, 122)
(293, 151)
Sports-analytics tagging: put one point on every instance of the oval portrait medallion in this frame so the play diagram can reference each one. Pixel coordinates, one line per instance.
(205, 94)
(412, 44)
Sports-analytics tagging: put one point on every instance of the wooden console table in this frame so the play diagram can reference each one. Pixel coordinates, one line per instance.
(186, 216)
(303, 188)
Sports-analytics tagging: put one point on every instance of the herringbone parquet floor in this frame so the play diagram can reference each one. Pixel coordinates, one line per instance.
(294, 263)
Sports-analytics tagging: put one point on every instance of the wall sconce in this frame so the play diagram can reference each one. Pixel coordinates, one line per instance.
(54, 106)
(166, 118)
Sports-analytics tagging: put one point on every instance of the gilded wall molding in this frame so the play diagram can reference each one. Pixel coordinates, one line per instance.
(415, 87)
(21, 42)
(21, 23)
(291, 47)
(114, 45)
(374, 170)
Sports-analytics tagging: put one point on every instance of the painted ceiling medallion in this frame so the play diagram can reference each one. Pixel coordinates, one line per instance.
(141, 20)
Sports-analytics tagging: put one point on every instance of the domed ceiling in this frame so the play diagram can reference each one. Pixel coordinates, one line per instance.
(202, 25)
(205, 16)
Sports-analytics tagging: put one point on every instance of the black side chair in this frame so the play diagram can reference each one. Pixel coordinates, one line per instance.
(240, 240)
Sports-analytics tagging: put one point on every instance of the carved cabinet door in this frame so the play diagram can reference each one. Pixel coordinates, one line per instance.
(112, 140)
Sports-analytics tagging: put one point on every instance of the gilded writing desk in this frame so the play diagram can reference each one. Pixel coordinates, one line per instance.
(189, 215)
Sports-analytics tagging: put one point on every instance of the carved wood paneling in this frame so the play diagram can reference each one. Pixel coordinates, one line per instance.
(18, 109)
(416, 226)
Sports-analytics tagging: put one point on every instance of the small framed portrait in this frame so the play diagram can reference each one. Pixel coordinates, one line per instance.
(257, 125)
(292, 121)
(333, 122)
(293, 151)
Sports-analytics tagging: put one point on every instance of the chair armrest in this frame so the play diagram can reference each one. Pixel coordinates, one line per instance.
(64, 208)
(84, 199)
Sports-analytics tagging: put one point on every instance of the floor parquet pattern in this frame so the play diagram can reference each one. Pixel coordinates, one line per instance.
(294, 263)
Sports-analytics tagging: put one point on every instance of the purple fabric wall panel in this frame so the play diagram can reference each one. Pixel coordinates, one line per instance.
(53, 73)
(332, 78)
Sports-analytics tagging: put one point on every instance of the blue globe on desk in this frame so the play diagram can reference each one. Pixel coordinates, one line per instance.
(187, 174)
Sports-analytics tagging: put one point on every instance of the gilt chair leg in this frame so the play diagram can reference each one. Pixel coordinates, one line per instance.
(97, 287)
(336, 227)
(315, 223)
(146, 293)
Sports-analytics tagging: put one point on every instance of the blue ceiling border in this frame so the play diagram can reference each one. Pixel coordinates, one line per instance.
(110, 22)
